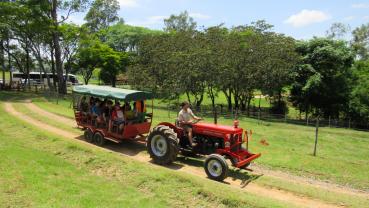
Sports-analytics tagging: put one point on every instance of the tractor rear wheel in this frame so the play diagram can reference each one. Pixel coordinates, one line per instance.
(216, 167)
(162, 145)
(88, 135)
(99, 139)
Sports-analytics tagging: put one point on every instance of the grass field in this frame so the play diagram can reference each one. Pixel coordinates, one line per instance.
(280, 137)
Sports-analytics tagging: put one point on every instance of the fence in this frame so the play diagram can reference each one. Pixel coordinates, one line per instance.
(269, 117)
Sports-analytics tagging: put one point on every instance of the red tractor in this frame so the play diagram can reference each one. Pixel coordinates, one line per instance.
(220, 142)
(166, 140)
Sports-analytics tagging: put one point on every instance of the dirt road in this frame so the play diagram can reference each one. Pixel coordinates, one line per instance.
(136, 150)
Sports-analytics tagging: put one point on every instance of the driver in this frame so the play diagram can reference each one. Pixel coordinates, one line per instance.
(186, 118)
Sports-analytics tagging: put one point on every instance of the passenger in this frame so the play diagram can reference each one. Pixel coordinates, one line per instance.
(129, 114)
(108, 110)
(186, 118)
(83, 106)
(91, 103)
(140, 106)
(118, 117)
(140, 110)
(96, 111)
(127, 106)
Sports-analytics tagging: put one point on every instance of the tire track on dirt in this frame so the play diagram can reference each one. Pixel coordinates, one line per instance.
(280, 195)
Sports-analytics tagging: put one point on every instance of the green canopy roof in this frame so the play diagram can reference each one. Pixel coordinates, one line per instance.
(112, 93)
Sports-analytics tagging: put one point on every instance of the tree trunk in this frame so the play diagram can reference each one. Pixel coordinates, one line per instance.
(2, 59)
(212, 97)
(188, 97)
(199, 101)
(229, 98)
(27, 65)
(113, 81)
(236, 100)
(58, 61)
(9, 63)
(53, 66)
(248, 105)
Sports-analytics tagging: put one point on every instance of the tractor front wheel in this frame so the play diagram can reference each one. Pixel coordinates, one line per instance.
(99, 139)
(88, 135)
(216, 167)
(162, 145)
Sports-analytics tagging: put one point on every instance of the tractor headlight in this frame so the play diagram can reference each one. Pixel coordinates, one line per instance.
(227, 144)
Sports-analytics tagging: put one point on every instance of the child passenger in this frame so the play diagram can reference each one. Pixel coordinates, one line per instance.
(117, 117)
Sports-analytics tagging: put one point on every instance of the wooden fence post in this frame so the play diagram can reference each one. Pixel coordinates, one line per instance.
(316, 135)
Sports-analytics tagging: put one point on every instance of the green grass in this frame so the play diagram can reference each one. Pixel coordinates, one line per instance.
(342, 155)
(39, 169)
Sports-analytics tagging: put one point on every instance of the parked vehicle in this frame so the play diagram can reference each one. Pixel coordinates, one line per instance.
(37, 78)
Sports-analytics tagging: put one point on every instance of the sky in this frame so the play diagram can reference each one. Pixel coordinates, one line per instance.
(301, 19)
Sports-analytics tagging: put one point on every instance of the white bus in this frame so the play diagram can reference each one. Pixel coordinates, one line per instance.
(37, 78)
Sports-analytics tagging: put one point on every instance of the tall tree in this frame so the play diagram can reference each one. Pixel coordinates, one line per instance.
(360, 42)
(101, 14)
(337, 30)
(180, 23)
(327, 73)
(69, 6)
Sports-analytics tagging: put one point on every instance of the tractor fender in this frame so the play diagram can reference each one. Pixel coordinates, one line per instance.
(100, 131)
(172, 126)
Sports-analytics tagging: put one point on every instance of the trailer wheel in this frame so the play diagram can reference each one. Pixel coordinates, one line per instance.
(216, 167)
(99, 139)
(162, 145)
(88, 135)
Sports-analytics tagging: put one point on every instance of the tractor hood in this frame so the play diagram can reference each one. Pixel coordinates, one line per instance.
(215, 129)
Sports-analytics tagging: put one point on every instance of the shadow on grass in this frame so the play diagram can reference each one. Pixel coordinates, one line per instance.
(135, 147)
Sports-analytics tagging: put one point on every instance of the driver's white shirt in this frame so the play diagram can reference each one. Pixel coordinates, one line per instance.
(185, 116)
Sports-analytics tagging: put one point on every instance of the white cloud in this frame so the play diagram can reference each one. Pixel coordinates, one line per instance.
(152, 20)
(360, 6)
(128, 3)
(199, 16)
(366, 17)
(349, 18)
(307, 17)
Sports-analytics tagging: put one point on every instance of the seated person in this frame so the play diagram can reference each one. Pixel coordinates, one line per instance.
(129, 114)
(108, 110)
(83, 106)
(117, 117)
(185, 119)
(96, 111)
(140, 106)
(91, 103)
(140, 110)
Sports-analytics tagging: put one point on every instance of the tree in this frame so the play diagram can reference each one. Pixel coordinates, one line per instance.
(70, 6)
(88, 57)
(337, 31)
(112, 64)
(359, 98)
(360, 42)
(180, 23)
(101, 14)
(323, 77)
(122, 37)
(71, 35)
